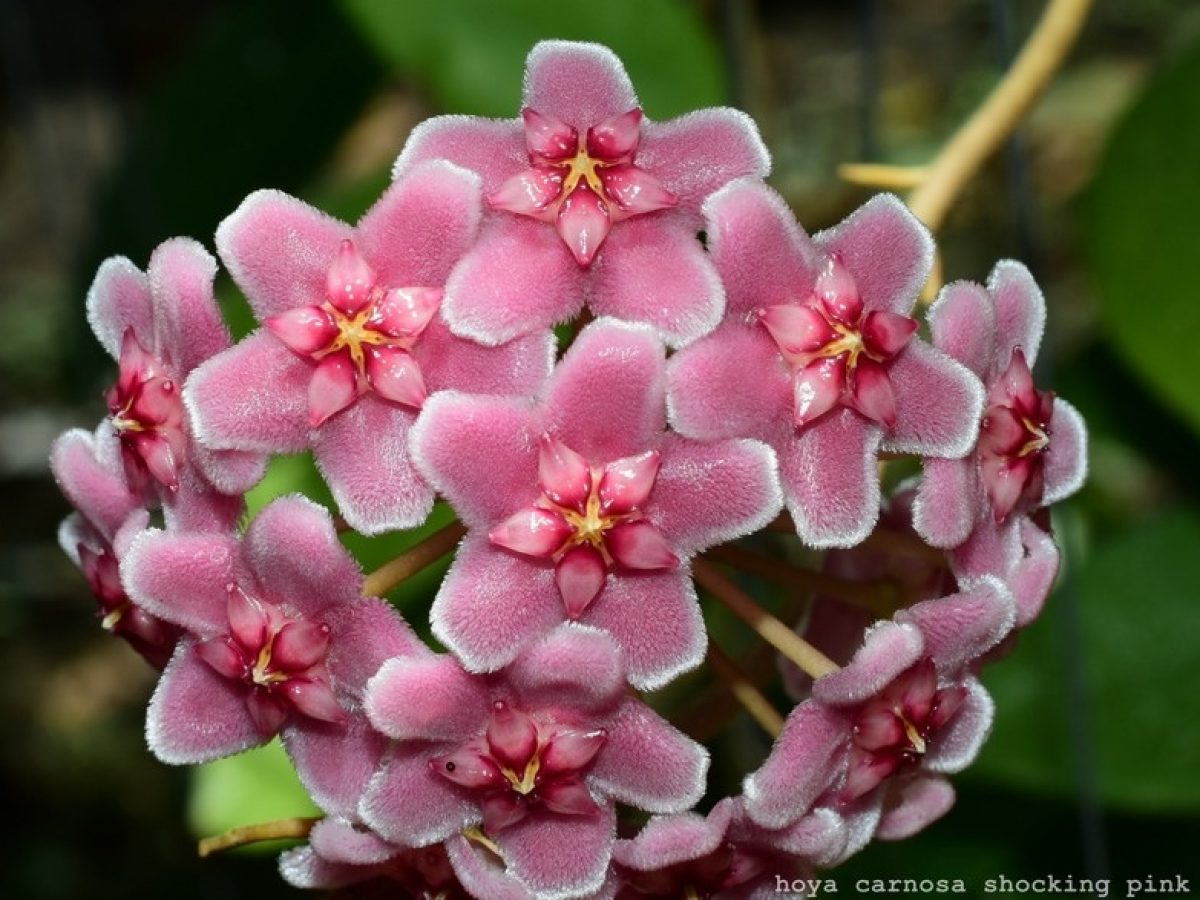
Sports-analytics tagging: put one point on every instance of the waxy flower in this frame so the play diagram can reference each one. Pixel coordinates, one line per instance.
(580, 507)
(537, 755)
(1032, 448)
(591, 202)
(837, 374)
(353, 342)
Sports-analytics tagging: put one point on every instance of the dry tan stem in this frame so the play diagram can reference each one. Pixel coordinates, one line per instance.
(747, 694)
(883, 176)
(252, 834)
(413, 560)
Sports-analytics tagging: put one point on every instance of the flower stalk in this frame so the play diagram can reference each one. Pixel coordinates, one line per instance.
(416, 558)
(281, 829)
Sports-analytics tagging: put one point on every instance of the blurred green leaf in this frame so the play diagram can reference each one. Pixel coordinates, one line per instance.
(470, 53)
(1140, 235)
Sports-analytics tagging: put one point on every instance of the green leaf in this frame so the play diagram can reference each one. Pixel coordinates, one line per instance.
(471, 53)
(1140, 235)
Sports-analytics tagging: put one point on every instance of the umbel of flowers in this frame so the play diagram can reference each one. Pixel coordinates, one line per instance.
(732, 376)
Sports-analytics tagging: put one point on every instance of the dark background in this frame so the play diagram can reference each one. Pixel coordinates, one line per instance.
(123, 123)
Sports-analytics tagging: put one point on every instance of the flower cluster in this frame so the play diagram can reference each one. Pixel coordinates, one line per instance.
(732, 367)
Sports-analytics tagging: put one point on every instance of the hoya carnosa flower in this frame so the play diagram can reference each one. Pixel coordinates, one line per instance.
(880, 732)
(838, 374)
(160, 325)
(353, 341)
(1032, 446)
(277, 638)
(534, 758)
(581, 507)
(590, 202)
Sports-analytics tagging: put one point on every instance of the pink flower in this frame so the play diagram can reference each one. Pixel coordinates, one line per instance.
(580, 507)
(1032, 447)
(592, 201)
(838, 374)
(539, 754)
(353, 342)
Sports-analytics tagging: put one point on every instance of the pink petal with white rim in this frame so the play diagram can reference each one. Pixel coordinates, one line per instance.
(888, 649)
(580, 575)
(886, 249)
(395, 376)
(819, 837)
(303, 868)
(803, 764)
(294, 551)
(253, 396)
(639, 545)
(667, 840)
(627, 417)
(912, 805)
(197, 715)
(700, 152)
(633, 191)
(947, 501)
(364, 458)
(199, 505)
(829, 479)
(492, 604)
(992, 549)
(365, 634)
(493, 148)
(278, 249)
(957, 743)
(519, 367)
(1066, 456)
(183, 577)
(654, 270)
(710, 396)
(411, 805)
(333, 387)
(119, 299)
(422, 225)
(938, 404)
(1032, 579)
(426, 697)
(962, 322)
(335, 762)
(95, 487)
(1020, 312)
(560, 856)
(960, 628)
(189, 323)
(579, 83)
(648, 763)
(583, 222)
(517, 278)
(481, 874)
(573, 666)
(339, 840)
(654, 617)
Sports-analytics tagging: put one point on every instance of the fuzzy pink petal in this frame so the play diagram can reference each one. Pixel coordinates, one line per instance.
(947, 501)
(182, 578)
(667, 840)
(887, 251)
(655, 619)
(938, 404)
(802, 766)
(649, 764)
(888, 649)
(426, 697)
(702, 151)
(962, 323)
(960, 628)
(992, 549)
(495, 149)
(252, 396)
(190, 326)
(829, 479)
(334, 762)
(654, 270)
(518, 277)
(710, 396)
(819, 837)
(958, 742)
(627, 416)
(364, 634)
(707, 494)
(582, 84)
(95, 486)
(560, 856)
(411, 805)
(363, 455)
(492, 604)
(1020, 312)
(520, 366)
(302, 867)
(1066, 456)
(422, 225)
(337, 839)
(1033, 577)
(481, 874)
(119, 299)
(502, 436)
(197, 715)
(279, 250)
(573, 666)
(913, 805)
(228, 471)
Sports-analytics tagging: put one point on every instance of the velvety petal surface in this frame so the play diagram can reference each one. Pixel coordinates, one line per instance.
(888, 649)
(411, 805)
(574, 666)
(1020, 312)
(334, 762)
(947, 501)
(119, 299)
(95, 486)
(958, 742)
(938, 404)
(912, 805)
(518, 367)
(962, 322)
(183, 578)
(960, 628)
(189, 324)
(582, 84)
(426, 697)
(1066, 457)
(492, 148)
(560, 856)
(702, 151)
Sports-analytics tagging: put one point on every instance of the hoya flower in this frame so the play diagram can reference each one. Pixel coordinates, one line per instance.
(536, 756)
(277, 638)
(353, 341)
(591, 202)
(580, 507)
(838, 375)
(882, 730)
(1032, 446)
(160, 325)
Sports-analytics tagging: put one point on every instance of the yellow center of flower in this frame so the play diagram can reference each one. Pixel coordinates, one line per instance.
(261, 673)
(353, 334)
(524, 783)
(1038, 439)
(581, 165)
(914, 737)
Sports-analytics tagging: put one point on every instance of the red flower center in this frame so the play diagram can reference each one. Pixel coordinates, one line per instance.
(147, 414)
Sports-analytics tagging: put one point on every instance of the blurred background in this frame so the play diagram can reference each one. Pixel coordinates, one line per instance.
(123, 123)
